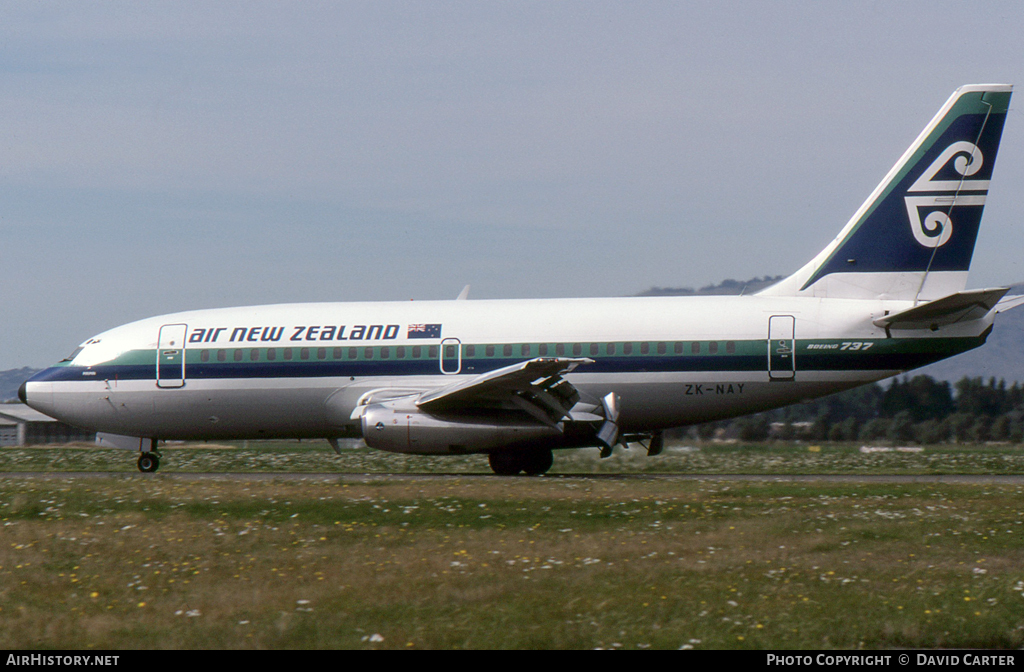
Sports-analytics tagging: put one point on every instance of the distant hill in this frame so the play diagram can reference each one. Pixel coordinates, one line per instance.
(12, 379)
(726, 287)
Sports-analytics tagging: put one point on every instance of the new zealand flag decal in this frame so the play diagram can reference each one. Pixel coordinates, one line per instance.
(424, 331)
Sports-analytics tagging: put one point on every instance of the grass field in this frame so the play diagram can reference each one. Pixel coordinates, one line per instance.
(465, 561)
(704, 458)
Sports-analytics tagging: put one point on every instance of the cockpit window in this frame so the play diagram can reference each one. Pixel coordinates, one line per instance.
(96, 351)
(73, 354)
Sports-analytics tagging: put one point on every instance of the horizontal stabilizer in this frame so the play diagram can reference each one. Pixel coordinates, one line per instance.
(964, 306)
(1008, 303)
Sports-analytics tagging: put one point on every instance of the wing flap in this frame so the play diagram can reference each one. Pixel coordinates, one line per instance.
(535, 386)
(964, 306)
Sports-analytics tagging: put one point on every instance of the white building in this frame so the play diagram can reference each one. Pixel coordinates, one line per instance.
(22, 426)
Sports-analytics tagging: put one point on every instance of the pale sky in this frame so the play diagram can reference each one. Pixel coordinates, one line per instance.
(157, 157)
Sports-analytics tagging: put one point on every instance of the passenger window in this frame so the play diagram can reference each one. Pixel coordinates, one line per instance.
(662, 348)
(254, 355)
(367, 353)
(400, 352)
(222, 355)
(238, 355)
(303, 353)
(611, 348)
(353, 353)
(321, 353)
(645, 348)
(695, 348)
(271, 354)
(678, 348)
(560, 349)
(470, 351)
(385, 352)
(524, 350)
(204, 355)
(336, 353)
(713, 347)
(730, 347)
(417, 352)
(593, 349)
(432, 352)
(577, 349)
(489, 351)
(288, 354)
(627, 348)
(542, 349)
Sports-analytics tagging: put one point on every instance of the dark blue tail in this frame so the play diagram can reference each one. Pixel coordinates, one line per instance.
(914, 236)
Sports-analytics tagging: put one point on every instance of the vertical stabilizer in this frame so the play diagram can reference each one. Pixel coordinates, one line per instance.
(914, 236)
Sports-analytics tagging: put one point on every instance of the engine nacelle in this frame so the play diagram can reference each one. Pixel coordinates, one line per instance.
(400, 427)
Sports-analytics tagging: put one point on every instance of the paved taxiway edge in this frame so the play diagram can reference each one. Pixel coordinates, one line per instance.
(965, 479)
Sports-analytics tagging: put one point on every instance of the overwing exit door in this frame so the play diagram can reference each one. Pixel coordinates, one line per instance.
(451, 356)
(781, 347)
(170, 356)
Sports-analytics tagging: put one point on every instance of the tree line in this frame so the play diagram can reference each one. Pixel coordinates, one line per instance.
(910, 410)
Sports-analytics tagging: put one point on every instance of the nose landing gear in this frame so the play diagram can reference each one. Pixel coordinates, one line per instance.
(149, 457)
(149, 462)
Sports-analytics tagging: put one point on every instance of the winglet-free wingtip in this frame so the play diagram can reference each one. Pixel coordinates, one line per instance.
(464, 294)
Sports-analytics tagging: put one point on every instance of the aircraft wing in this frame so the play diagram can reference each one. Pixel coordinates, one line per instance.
(535, 386)
(964, 306)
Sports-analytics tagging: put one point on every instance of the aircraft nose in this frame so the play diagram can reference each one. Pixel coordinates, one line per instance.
(21, 393)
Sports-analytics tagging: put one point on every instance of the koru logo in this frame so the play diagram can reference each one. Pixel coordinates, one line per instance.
(937, 226)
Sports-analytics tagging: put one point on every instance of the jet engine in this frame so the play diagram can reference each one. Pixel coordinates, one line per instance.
(400, 427)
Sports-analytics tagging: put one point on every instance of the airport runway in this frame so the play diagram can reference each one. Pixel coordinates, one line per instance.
(966, 479)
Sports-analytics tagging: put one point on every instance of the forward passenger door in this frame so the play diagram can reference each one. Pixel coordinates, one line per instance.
(170, 356)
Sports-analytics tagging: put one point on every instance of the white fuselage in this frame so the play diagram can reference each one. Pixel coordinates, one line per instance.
(300, 370)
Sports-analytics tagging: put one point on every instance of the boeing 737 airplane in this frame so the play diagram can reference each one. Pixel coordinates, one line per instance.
(516, 379)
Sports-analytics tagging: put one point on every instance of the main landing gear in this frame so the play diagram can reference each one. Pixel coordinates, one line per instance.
(531, 461)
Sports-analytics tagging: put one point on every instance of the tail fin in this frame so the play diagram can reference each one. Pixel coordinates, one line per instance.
(914, 236)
